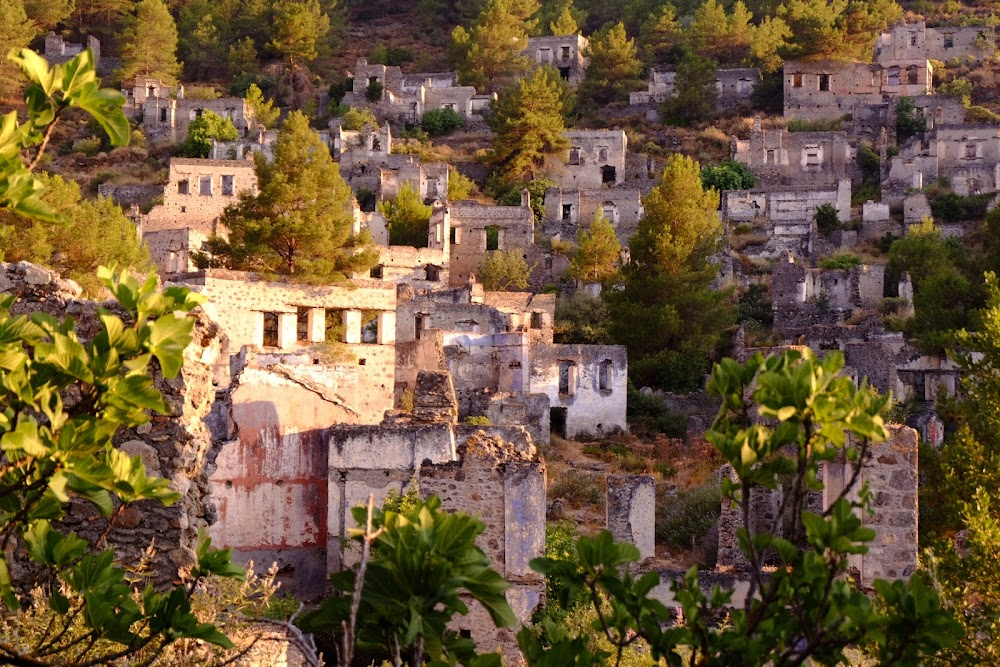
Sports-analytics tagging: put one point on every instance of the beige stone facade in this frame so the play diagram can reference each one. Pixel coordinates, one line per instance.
(595, 159)
(563, 52)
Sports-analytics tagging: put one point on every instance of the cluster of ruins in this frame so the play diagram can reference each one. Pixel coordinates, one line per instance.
(295, 403)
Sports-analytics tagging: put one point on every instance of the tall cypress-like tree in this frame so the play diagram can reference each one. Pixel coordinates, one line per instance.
(668, 315)
(300, 224)
(614, 67)
(527, 124)
(149, 43)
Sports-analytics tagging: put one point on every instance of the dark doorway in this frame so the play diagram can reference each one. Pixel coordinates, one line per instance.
(557, 421)
(608, 174)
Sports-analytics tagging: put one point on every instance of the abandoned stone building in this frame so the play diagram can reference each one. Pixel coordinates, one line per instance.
(569, 210)
(166, 113)
(785, 215)
(829, 90)
(428, 179)
(476, 229)
(967, 155)
(595, 159)
(196, 194)
(422, 268)
(58, 50)
(563, 52)
(408, 97)
(909, 41)
(780, 158)
(733, 86)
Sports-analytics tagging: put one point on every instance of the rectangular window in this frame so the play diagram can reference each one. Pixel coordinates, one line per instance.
(567, 378)
(418, 325)
(376, 272)
(163, 115)
(453, 235)
(797, 80)
(824, 82)
(602, 153)
(604, 375)
(574, 155)
(567, 212)
(812, 157)
(205, 186)
(493, 238)
(564, 52)
(227, 185)
(536, 320)
(184, 187)
(334, 325)
(270, 329)
(949, 40)
(544, 55)
(301, 323)
(769, 157)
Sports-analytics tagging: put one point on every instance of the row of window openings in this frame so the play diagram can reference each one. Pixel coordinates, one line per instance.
(609, 210)
(205, 186)
(432, 272)
(568, 376)
(420, 321)
(333, 328)
(545, 54)
(575, 152)
(196, 113)
(824, 80)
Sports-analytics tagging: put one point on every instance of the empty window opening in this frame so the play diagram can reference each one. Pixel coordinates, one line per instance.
(893, 76)
(198, 112)
(419, 321)
(567, 378)
(567, 212)
(564, 73)
(163, 115)
(602, 153)
(949, 40)
(913, 39)
(608, 174)
(362, 362)
(369, 326)
(610, 212)
(912, 74)
(557, 421)
(769, 157)
(824, 82)
(270, 330)
(605, 374)
(205, 186)
(970, 149)
(451, 106)
(302, 323)
(797, 80)
(574, 155)
(227, 185)
(536, 320)
(544, 55)
(453, 235)
(492, 237)
(433, 272)
(564, 52)
(184, 187)
(334, 327)
(377, 272)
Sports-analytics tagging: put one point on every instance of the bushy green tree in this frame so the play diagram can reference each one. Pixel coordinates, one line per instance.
(660, 36)
(356, 119)
(15, 33)
(441, 121)
(95, 234)
(407, 217)
(908, 123)
(836, 29)
(264, 112)
(300, 223)
(202, 130)
(560, 17)
(719, 35)
(597, 253)
(149, 43)
(47, 14)
(694, 94)
(504, 271)
(729, 175)
(668, 316)
(489, 54)
(460, 186)
(527, 125)
(614, 67)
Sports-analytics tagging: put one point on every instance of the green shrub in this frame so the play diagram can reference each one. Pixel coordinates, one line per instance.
(338, 89)
(951, 207)
(441, 121)
(827, 220)
(355, 119)
(755, 306)
(798, 125)
(578, 488)
(841, 260)
(666, 470)
(649, 415)
(90, 146)
(373, 93)
(682, 520)
(478, 420)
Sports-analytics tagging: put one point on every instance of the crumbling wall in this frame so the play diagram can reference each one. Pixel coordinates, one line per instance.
(630, 512)
(470, 222)
(596, 158)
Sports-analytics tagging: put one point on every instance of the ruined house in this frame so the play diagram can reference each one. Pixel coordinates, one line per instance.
(967, 155)
(476, 229)
(196, 194)
(58, 50)
(563, 52)
(830, 90)
(595, 159)
(166, 113)
(909, 41)
(409, 97)
(429, 180)
(569, 210)
(780, 158)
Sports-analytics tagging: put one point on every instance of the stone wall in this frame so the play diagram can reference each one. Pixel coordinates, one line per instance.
(168, 119)
(470, 225)
(129, 194)
(564, 52)
(630, 512)
(569, 211)
(781, 158)
(198, 191)
(916, 40)
(596, 158)
(829, 90)
(171, 249)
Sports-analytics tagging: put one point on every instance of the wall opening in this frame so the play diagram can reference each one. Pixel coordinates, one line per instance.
(334, 328)
(824, 82)
(574, 155)
(419, 321)
(377, 272)
(184, 187)
(369, 326)
(228, 185)
(912, 74)
(608, 174)
(564, 73)
(433, 273)
(557, 421)
(567, 378)
(605, 375)
(302, 324)
(797, 80)
(493, 237)
(536, 320)
(270, 330)
(205, 186)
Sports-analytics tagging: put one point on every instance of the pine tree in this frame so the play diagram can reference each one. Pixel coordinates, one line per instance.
(264, 113)
(767, 40)
(46, 14)
(614, 67)
(564, 24)
(504, 271)
(489, 54)
(694, 95)
(836, 29)
(597, 254)
(720, 36)
(407, 217)
(299, 27)
(149, 44)
(300, 224)
(660, 36)
(668, 315)
(527, 124)
(15, 33)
